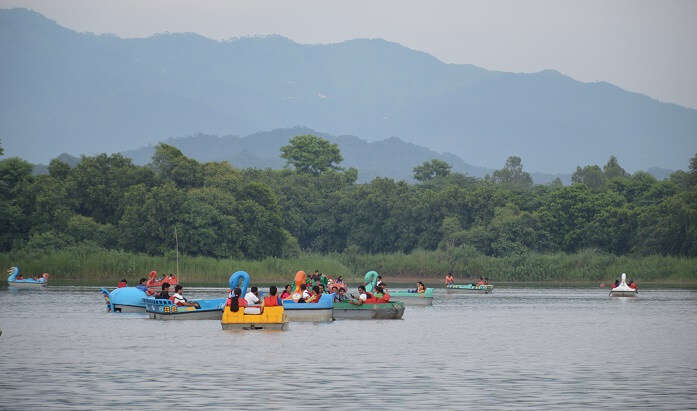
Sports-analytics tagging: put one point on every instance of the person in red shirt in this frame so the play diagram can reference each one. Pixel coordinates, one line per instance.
(122, 283)
(632, 284)
(271, 300)
(235, 300)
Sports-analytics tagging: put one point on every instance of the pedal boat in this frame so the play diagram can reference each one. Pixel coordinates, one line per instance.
(623, 290)
(392, 310)
(125, 300)
(255, 317)
(164, 309)
(413, 298)
(478, 289)
(319, 312)
(12, 280)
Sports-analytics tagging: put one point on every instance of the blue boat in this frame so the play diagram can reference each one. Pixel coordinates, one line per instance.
(163, 309)
(12, 280)
(125, 300)
(321, 311)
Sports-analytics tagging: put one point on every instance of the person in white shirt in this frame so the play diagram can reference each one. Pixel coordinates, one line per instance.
(362, 296)
(180, 300)
(252, 296)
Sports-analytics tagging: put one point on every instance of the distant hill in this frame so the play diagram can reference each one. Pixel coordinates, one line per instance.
(64, 91)
(387, 158)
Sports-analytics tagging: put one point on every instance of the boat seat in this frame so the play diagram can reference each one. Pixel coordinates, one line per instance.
(254, 310)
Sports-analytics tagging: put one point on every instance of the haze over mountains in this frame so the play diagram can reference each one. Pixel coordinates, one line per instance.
(64, 91)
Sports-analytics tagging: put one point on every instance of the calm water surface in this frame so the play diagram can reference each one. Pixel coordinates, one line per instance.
(516, 348)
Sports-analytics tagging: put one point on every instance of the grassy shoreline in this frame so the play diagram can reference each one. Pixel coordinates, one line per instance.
(96, 266)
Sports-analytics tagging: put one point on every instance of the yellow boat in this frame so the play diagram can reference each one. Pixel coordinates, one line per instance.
(246, 318)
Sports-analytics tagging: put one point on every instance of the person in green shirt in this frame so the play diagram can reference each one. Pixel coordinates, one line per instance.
(324, 280)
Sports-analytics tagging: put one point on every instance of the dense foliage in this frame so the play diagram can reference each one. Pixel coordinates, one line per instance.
(221, 211)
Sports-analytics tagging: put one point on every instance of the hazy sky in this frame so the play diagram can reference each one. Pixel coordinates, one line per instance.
(644, 46)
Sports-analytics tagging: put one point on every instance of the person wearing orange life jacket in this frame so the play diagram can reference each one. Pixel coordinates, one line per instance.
(271, 300)
(632, 284)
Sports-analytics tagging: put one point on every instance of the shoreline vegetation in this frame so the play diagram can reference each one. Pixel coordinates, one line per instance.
(97, 266)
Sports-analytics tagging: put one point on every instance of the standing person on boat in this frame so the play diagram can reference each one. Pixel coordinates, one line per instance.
(252, 296)
(271, 300)
(449, 279)
(179, 299)
(164, 294)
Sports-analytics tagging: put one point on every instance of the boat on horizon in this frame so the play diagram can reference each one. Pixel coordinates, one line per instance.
(623, 290)
(32, 282)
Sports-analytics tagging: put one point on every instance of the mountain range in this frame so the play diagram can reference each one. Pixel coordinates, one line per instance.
(64, 91)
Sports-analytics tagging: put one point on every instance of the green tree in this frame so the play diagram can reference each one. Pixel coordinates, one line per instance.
(431, 169)
(591, 176)
(312, 155)
(512, 174)
(613, 169)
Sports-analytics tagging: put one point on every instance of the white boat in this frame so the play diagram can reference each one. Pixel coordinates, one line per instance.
(623, 290)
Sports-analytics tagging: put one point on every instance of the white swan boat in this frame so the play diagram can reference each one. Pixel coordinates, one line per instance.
(623, 290)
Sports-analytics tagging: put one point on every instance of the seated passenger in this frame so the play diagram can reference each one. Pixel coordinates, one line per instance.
(321, 289)
(304, 294)
(340, 295)
(315, 295)
(141, 285)
(486, 281)
(379, 293)
(285, 295)
(235, 301)
(615, 284)
(362, 296)
(632, 284)
(172, 278)
(379, 280)
(420, 287)
(481, 281)
(252, 296)
(449, 279)
(164, 294)
(19, 277)
(271, 300)
(122, 283)
(180, 300)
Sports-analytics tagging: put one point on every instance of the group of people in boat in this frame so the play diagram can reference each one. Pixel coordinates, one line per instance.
(35, 277)
(177, 298)
(630, 284)
(450, 280)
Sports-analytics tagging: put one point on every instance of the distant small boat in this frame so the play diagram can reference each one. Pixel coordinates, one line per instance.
(413, 298)
(124, 300)
(12, 280)
(480, 289)
(163, 309)
(623, 290)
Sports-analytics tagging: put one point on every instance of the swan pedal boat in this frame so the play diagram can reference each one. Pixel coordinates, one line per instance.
(125, 300)
(412, 298)
(392, 310)
(164, 309)
(254, 317)
(321, 311)
(479, 289)
(25, 282)
(623, 290)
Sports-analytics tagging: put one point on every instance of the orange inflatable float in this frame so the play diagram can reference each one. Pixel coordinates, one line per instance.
(300, 278)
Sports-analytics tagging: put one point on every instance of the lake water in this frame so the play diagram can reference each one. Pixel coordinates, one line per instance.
(515, 348)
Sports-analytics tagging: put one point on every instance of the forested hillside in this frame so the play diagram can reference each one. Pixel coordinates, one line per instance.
(316, 206)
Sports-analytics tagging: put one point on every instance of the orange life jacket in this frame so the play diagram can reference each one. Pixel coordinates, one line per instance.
(270, 301)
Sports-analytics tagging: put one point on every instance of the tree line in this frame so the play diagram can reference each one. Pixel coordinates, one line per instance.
(316, 206)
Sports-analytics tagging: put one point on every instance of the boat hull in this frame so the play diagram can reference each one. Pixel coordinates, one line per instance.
(188, 315)
(270, 318)
(414, 299)
(311, 315)
(477, 289)
(384, 311)
(253, 326)
(122, 308)
(623, 293)
(27, 284)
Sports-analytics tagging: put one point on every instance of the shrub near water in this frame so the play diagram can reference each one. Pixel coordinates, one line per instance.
(94, 265)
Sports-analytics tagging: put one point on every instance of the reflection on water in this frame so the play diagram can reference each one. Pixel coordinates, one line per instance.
(545, 349)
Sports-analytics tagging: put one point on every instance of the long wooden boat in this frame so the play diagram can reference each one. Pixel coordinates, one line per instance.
(386, 311)
(413, 298)
(472, 288)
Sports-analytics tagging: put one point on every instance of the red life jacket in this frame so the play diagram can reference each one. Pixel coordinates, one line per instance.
(371, 299)
(121, 284)
(270, 301)
(385, 298)
(632, 285)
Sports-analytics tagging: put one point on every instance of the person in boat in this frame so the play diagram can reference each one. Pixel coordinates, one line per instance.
(379, 280)
(333, 290)
(235, 301)
(164, 293)
(122, 283)
(340, 295)
(252, 296)
(339, 282)
(304, 294)
(141, 285)
(285, 295)
(632, 284)
(179, 299)
(322, 290)
(480, 282)
(172, 278)
(615, 284)
(449, 279)
(271, 300)
(19, 277)
(314, 295)
(379, 291)
(420, 287)
(324, 280)
(486, 281)
(363, 295)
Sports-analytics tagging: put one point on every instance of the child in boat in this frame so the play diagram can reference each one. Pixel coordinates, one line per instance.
(449, 279)
(304, 294)
(340, 295)
(141, 285)
(179, 299)
(420, 287)
(271, 300)
(235, 301)
(314, 296)
(122, 283)
(252, 296)
(164, 294)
